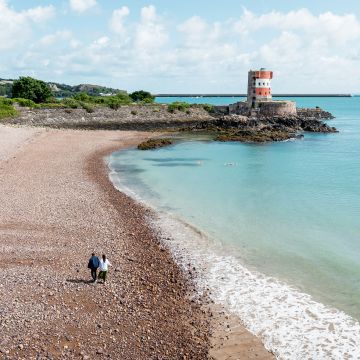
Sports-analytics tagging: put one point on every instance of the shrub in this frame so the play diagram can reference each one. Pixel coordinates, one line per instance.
(83, 97)
(32, 89)
(71, 103)
(142, 96)
(124, 98)
(7, 110)
(86, 106)
(24, 102)
(6, 101)
(208, 107)
(178, 105)
(114, 103)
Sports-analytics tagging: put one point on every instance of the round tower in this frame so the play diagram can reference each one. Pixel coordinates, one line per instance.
(263, 84)
(259, 86)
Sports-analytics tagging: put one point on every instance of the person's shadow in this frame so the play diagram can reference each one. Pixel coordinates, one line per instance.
(80, 281)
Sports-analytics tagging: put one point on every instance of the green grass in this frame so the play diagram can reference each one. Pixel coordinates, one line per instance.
(178, 105)
(7, 110)
(24, 102)
(208, 107)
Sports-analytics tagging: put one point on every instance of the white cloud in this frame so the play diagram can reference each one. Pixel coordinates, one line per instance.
(100, 43)
(198, 32)
(148, 14)
(16, 27)
(150, 32)
(40, 13)
(338, 28)
(117, 20)
(82, 5)
(51, 39)
(195, 55)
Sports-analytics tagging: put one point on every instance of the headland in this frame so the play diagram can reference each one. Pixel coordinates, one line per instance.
(226, 121)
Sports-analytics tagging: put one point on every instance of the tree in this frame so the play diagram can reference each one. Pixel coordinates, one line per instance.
(32, 89)
(142, 95)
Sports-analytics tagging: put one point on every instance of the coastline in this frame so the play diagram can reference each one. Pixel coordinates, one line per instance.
(58, 205)
(274, 310)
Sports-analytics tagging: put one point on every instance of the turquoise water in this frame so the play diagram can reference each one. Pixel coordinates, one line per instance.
(289, 210)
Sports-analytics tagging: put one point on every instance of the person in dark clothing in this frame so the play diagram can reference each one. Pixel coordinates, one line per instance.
(93, 266)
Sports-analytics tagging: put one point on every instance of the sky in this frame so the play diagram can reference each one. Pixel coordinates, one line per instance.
(168, 46)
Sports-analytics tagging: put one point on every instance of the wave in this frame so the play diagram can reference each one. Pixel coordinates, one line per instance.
(289, 322)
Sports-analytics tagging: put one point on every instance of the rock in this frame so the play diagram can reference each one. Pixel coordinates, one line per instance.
(154, 144)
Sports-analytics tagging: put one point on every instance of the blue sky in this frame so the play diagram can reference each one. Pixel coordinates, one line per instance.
(187, 46)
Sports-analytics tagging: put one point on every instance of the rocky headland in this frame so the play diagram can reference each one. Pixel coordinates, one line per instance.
(224, 126)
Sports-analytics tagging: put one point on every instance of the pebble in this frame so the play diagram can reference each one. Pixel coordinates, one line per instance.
(61, 214)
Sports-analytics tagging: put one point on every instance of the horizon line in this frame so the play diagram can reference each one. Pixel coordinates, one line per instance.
(245, 95)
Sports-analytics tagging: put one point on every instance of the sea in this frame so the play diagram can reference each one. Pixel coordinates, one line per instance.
(272, 229)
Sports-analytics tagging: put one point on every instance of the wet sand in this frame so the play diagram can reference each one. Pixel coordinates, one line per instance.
(57, 205)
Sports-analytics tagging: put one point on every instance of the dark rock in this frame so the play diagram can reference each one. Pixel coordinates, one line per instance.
(154, 144)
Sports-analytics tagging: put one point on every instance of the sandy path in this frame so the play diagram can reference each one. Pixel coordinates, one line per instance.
(56, 207)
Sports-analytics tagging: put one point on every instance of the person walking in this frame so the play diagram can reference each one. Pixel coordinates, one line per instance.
(104, 267)
(93, 266)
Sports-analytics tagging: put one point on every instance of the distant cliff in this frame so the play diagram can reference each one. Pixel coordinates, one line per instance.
(63, 90)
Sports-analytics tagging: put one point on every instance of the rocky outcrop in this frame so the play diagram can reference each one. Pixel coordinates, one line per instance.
(157, 117)
(316, 113)
(154, 144)
(243, 128)
(257, 136)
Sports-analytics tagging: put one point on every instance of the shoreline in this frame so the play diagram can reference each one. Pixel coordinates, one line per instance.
(58, 205)
(271, 308)
(229, 339)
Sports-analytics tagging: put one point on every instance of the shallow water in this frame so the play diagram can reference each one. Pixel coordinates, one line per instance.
(287, 210)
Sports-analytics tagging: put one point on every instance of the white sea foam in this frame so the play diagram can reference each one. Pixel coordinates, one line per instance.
(290, 323)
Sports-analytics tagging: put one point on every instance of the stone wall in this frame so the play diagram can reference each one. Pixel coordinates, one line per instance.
(277, 108)
(239, 108)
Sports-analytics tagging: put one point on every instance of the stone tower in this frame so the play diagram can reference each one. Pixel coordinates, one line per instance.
(259, 86)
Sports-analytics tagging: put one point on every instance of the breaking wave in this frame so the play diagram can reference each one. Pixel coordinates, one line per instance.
(290, 323)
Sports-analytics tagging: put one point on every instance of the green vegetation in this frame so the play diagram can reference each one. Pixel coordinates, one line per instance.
(5, 88)
(87, 106)
(178, 105)
(28, 88)
(24, 102)
(142, 96)
(33, 93)
(63, 90)
(208, 107)
(70, 103)
(7, 109)
(154, 144)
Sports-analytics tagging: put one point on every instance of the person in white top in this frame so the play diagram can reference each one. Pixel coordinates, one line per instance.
(104, 267)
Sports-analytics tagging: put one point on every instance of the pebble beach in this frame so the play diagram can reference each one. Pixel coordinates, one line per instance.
(57, 206)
